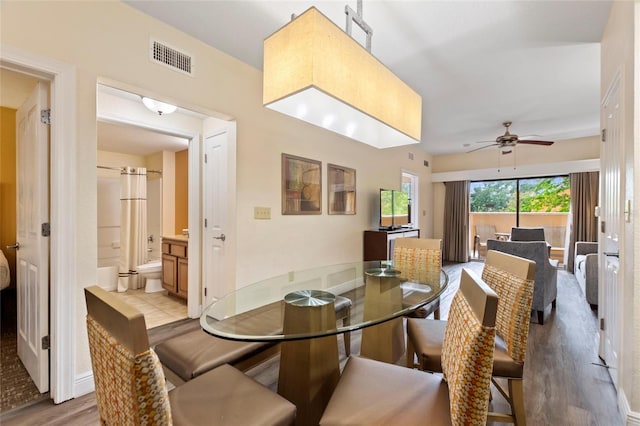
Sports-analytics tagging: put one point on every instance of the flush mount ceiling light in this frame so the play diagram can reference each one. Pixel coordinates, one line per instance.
(159, 107)
(316, 72)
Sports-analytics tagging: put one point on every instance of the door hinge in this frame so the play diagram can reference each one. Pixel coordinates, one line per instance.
(45, 116)
(45, 343)
(602, 227)
(604, 135)
(602, 324)
(46, 229)
(205, 158)
(205, 223)
(205, 292)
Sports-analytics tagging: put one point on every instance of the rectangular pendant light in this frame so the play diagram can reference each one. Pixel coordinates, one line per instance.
(316, 72)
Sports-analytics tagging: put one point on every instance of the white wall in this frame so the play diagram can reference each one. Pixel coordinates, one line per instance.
(109, 41)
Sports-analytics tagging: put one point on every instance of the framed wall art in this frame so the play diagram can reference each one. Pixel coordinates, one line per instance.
(341, 189)
(301, 185)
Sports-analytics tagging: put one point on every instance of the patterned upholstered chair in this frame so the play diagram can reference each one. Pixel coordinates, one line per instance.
(130, 383)
(418, 258)
(376, 393)
(511, 278)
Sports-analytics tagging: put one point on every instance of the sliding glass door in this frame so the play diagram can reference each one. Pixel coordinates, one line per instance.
(497, 206)
(493, 212)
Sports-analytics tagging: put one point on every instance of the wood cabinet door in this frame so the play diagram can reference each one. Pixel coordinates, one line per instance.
(183, 277)
(170, 273)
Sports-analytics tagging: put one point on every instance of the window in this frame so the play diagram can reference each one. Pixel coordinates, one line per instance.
(410, 186)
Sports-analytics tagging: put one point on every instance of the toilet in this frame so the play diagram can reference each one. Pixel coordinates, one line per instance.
(152, 273)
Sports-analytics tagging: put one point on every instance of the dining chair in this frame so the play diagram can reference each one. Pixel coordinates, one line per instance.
(416, 257)
(371, 392)
(483, 233)
(131, 388)
(511, 278)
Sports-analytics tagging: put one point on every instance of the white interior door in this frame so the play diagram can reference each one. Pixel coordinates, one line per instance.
(215, 217)
(609, 304)
(32, 157)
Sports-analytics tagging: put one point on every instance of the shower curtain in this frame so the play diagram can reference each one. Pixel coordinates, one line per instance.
(133, 226)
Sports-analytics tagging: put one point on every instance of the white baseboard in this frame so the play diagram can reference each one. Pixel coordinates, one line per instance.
(83, 384)
(631, 418)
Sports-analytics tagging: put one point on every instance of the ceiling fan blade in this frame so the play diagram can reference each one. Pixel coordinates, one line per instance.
(535, 142)
(483, 147)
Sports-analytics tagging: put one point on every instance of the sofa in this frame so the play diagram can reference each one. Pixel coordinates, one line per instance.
(545, 286)
(585, 268)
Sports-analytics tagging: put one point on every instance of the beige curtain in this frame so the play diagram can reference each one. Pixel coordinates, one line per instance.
(133, 226)
(584, 199)
(455, 246)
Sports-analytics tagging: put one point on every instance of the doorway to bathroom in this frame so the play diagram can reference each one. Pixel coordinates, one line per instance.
(142, 184)
(166, 146)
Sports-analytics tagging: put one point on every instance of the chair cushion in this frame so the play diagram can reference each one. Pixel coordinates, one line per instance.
(342, 303)
(376, 393)
(427, 336)
(227, 396)
(503, 364)
(579, 264)
(191, 354)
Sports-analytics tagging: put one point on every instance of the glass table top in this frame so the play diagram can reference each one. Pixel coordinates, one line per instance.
(364, 294)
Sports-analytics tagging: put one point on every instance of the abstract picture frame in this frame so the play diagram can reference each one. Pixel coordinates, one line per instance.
(301, 185)
(341, 190)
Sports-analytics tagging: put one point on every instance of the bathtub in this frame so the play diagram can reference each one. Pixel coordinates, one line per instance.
(107, 277)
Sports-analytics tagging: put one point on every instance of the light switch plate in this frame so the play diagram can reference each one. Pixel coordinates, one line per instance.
(262, 213)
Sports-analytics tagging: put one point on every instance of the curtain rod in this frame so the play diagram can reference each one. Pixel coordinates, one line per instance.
(120, 169)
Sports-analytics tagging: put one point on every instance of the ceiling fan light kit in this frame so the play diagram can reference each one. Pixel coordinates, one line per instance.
(316, 72)
(510, 140)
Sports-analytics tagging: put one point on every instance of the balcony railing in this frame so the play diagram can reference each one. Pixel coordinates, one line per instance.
(554, 224)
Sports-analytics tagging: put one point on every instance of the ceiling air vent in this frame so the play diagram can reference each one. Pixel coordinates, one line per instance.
(163, 54)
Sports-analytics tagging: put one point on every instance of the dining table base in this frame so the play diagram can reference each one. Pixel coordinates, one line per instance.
(309, 368)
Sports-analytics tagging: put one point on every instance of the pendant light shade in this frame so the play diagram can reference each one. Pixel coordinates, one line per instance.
(316, 72)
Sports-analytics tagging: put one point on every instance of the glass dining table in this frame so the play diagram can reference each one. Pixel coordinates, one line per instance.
(298, 309)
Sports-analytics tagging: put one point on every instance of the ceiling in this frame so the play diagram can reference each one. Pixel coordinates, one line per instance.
(114, 137)
(133, 140)
(475, 63)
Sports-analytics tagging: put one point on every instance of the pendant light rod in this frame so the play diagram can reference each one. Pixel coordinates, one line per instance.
(353, 16)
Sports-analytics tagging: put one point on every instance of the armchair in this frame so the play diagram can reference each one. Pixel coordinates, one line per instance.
(529, 234)
(545, 288)
(586, 270)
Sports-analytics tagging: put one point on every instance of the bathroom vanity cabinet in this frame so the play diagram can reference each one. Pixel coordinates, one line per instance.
(175, 265)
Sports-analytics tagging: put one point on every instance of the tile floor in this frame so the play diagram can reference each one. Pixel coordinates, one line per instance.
(158, 308)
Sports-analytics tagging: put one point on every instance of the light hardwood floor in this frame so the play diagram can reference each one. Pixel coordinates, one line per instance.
(563, 383)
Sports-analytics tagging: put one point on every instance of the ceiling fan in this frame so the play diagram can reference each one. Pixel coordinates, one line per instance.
(508, 140)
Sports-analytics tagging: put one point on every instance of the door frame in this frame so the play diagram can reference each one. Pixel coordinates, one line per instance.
(194, 179)
(62, 80)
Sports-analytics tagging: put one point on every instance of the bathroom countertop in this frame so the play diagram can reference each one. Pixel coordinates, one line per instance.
(178, 237)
